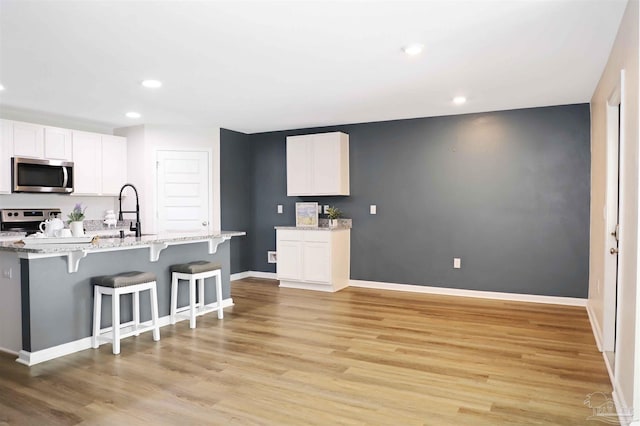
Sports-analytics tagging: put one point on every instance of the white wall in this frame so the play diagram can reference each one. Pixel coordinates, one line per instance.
(142, 144)
(624, 56)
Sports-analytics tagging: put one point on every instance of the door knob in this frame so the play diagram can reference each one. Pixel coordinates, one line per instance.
(613, 251)
(204, 223)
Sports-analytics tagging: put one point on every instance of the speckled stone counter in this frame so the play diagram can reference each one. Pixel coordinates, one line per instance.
(323, 225)
(103, 244)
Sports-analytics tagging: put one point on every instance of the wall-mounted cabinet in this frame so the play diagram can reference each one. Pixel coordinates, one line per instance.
(318, 164)
(313, 260)
(100, 163)
(6, 152)
(37, 141)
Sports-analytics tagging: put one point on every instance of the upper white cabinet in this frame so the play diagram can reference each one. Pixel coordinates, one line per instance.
(114, 164)
(318, 164)
(57, 143)
(100, 163)
(6, 152)
(86, 163)
(37, 141)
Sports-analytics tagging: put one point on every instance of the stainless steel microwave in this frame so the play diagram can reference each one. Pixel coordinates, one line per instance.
(35, 175)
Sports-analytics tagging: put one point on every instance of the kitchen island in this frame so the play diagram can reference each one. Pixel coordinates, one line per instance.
(56, 295)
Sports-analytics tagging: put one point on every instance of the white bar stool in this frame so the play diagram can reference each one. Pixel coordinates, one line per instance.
(116, 285)
(195, 272)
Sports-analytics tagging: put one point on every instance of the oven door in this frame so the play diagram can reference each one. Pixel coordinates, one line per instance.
(35, 175)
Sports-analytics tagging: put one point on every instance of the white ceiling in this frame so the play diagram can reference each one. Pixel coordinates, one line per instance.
(266, 65)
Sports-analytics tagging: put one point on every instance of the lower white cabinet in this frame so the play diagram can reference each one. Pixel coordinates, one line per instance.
(313, 259)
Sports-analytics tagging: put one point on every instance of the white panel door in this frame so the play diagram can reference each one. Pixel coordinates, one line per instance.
(28, 140)
(86, 163)
(57, 143)
(183, 191)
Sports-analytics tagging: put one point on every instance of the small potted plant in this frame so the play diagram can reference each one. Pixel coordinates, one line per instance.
(333, 213)
(76, 218)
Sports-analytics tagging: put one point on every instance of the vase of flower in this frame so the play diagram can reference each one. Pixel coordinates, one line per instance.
(333, 214)
(77, 228)
(76, 218)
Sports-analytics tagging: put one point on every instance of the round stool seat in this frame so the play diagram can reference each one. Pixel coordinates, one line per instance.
(196, 267)
(124, 279)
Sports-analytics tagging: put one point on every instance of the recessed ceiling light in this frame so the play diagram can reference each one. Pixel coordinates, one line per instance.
(1, 87)
(133, 114)
(152, 84)
(413, 49)
(459, 100)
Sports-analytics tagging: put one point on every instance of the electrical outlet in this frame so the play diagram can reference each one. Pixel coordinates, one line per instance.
(280, 210)
(272, 257)
(456, 263)
(373, 209)
(7, 273)
(326, 209)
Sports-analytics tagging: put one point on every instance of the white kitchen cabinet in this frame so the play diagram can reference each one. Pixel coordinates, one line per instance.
(6, 152)
(28, 140)
(313, 259)
(57, 143)
(38, 141)
(86, 163)
(318, 164)
(100, 163)
(114, 164)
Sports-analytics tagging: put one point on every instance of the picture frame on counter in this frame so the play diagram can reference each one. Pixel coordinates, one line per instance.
(307, 215)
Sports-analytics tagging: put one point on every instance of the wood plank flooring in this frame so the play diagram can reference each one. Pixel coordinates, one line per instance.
(360, 356)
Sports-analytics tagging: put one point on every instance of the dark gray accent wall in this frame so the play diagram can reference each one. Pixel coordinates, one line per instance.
(236, 192)
(507, 192)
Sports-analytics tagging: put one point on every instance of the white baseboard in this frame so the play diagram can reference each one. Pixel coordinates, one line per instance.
(554, 300)
(571, 301)
(625, 416)
(33, 358)
(254, 274)
(595, 327)
(8, 351)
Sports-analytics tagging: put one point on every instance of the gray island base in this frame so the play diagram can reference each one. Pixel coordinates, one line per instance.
(57, 305)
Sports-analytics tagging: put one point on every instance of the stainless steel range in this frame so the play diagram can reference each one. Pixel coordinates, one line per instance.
(25, 220)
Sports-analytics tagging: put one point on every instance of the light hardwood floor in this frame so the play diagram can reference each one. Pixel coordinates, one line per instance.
(360, 356)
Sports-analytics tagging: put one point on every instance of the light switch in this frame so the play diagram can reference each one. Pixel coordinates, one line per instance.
(279, 208)
(456, 263)
(373, 209)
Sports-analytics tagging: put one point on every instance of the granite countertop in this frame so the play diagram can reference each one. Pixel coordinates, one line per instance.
(12, 234)
(323, 225)
(102, 243)
(312, 228)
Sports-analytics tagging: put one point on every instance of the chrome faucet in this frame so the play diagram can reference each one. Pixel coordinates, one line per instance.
(137, 228)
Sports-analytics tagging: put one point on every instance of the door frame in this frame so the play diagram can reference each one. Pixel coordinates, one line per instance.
(210, 177)
(615, 108)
